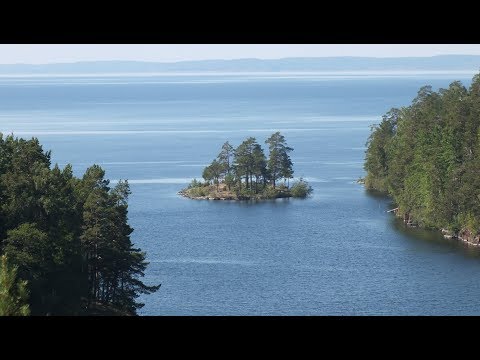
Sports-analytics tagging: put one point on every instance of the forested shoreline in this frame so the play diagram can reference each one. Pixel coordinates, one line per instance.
(426, 156)
(65, 241)
(245, 173)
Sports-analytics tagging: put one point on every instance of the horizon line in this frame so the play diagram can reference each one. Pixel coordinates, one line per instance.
(246, 58)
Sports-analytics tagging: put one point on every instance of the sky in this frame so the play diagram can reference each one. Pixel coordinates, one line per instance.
(58, 53)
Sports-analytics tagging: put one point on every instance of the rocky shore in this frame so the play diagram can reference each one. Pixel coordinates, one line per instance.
(185, 193)
(464, 235)
(223, 194)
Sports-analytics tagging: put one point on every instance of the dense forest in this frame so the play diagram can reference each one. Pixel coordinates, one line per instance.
(427, 157)
(245, 172)
(65, 241)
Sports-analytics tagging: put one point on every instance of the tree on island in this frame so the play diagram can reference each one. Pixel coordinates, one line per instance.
(259, 166)
(243, 161)
(213, 172)
(279, 163)
(247, 172)
(225, 157)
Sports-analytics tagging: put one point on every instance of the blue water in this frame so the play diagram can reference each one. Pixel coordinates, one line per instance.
(336, 253)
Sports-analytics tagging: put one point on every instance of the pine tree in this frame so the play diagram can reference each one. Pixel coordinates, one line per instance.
(259, 168)
(426, 157)
(244, 160)
(69, 238)
(279, 163)
(13, 292)
(225, 157)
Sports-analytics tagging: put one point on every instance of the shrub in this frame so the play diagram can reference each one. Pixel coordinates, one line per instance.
(269, 193)
(301, 189)
(199, 191)
(194, 183)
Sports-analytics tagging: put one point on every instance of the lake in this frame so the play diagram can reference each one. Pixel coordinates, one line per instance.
(335, 253)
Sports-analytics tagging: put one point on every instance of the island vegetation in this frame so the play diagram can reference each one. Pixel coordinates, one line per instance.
(245, 173)
(64, 241)
(426, 156)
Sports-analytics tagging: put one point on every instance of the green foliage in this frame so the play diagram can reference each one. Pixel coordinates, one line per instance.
(244, 161)
(28, 247)
(225, 157)
(194, 183)
(13, 292)
(269, 192)
(230, 180)
(199, 191)
(427, 157)
(279, 162)
(301, 189)
(68, 237)
(248, 164)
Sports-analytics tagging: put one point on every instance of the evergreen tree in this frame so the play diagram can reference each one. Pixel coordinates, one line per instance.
(217, 170)
(426, 157)
(225, 157)
(259, 167)
(244, 160)
(279, 163)
(13, 292)
(30, 250)
(69, 238)
(207, 174)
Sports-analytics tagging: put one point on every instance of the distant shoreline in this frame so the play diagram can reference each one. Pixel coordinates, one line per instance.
(450, 63)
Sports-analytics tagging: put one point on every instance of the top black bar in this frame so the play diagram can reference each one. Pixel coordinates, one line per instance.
(320, 25)
(68, 36)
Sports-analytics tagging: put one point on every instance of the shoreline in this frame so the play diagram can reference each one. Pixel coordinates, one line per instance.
(232, 197)
(464, 235)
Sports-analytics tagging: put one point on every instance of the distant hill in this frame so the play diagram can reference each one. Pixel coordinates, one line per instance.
(441, 62)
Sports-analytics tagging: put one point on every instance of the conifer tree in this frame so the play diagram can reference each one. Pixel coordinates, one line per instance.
(279, 163)
(13, 292)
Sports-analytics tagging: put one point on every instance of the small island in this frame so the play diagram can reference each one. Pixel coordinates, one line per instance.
(245, 173)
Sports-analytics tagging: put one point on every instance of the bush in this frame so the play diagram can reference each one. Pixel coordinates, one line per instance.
(269, 193)
(301, 189)
(199, 191)
(194, 183)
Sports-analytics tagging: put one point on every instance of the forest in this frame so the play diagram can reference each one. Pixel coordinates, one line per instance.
(64, 241)
(426, 156)
(245, 172)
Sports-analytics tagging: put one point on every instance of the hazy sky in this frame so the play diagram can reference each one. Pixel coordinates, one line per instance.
(41, 54)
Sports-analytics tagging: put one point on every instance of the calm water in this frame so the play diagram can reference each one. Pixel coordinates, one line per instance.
(337, 253)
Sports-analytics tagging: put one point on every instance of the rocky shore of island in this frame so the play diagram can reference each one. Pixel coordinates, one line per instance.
(212, 192)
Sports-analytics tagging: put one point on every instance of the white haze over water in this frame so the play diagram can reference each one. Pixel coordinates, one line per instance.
(61, 53)
(291, 74)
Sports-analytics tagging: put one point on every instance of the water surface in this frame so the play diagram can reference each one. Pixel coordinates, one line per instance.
(336, 253)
